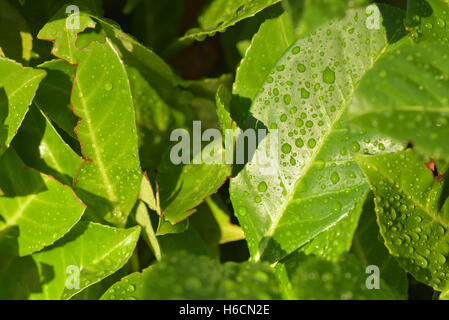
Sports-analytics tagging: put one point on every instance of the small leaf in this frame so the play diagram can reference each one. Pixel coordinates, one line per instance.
(17, 88)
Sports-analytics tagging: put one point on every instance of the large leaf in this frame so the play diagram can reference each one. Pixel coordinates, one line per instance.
(201, 278)
(17, 88)
(406, 96)
(411, 216)
(36, 210)
(109, 179)
(217, 16)
(94, 250)
(314, 182)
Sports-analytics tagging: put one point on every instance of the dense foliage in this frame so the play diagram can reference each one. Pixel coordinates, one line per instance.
(353, 97)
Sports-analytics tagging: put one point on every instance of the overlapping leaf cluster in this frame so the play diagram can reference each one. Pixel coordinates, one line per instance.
(93, 206)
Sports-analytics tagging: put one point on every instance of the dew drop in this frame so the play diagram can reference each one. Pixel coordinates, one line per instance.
(328, 76)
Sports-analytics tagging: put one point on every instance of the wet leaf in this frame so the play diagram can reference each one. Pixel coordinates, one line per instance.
(109, 179)
(18, 86)
(52, 273)
(411, 216)
(406, 96)
(311, 182)
(216, 17)
(35, 210)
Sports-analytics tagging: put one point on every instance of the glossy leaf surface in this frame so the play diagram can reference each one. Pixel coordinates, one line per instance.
(306, 97)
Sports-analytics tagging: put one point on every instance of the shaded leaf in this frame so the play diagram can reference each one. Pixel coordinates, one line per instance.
(17, 88)
(35, 210)
(201, 278)
(42, 148)
(216, 17)
(318, 279)
(96, 250)
(16, 41)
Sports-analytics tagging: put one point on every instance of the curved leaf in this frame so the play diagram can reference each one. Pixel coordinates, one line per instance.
(35, 211)
(217, 17)
(42, 148)
(410, 214)
(96, 251)
(18, 86)
(53, 95)
(306, 97)
(110, 177)
(406, 96)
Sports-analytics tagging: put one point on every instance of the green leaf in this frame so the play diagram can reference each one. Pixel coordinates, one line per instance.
(223, 102)
(201, 278)
(406, 96)
(42, 148)
(213, 221)
(18, 86)
(165, 227)
(64, 38)
(96, 250)
(306, 96)
(35, 211)
(217, 17)
(143, 219)
(137, 55)
(16, 41)
(184, 187)
(110, 177)
(428, 20)
(369, 247)
(411, 216)
(275, 35)
(54, 93)
(318, 279)
(107, 132)
(188, 241)
(308, 15)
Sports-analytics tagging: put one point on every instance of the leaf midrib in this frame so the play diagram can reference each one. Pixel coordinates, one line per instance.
(275, 223)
